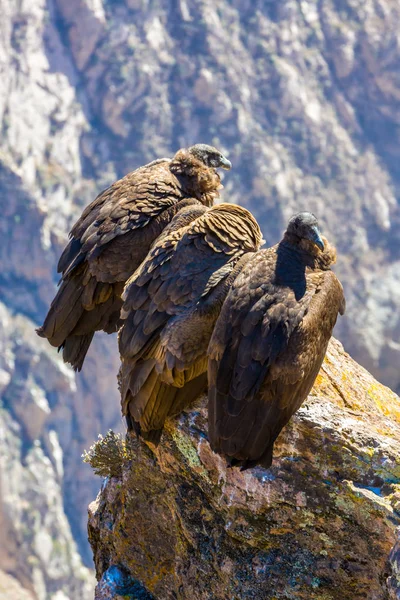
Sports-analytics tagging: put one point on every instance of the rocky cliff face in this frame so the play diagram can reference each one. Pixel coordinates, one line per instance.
(303, 96)
(319, 524)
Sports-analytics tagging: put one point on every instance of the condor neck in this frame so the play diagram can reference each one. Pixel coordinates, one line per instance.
(309, 252)
(195, 178)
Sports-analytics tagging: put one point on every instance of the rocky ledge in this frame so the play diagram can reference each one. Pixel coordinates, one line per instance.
(320, 523)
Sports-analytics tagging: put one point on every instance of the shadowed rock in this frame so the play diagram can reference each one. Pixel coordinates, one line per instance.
(319, 524)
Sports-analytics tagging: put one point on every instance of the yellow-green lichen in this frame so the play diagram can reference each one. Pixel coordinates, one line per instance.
(385, 400)
(186, 448)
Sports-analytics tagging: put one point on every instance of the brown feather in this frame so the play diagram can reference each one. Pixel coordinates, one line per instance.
(170, 307)
(268, 345)
(112, 238)
(75, 348)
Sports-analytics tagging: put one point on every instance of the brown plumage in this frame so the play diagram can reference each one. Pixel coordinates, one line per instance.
(170, 307)
(113, 236)
(269, 342)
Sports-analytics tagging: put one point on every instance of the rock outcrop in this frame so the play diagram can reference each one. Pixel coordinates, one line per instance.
(319, 524)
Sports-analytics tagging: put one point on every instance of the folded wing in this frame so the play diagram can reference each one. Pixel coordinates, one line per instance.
(171, 304)
(107, 244)
(264, 355)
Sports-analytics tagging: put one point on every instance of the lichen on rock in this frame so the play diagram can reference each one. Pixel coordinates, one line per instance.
(319, 524)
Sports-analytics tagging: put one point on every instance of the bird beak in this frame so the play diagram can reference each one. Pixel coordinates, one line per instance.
(224, 163)
(315, 237)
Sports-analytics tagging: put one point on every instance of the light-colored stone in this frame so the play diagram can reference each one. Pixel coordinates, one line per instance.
(10, 589)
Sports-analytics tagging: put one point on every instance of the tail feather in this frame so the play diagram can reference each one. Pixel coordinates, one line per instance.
(142, 402)
(114, 321)
(264, 461)
(153, 436)
(81, 306)
(186, 395)
(75, 349)
(149, 401)
(65, 312)
(157, 407)
(131, 424)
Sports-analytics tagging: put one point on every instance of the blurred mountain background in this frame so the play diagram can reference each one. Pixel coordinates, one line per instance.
(304, 98)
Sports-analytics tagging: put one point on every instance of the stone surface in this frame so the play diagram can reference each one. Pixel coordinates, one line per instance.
(10, 589)
(319, 524)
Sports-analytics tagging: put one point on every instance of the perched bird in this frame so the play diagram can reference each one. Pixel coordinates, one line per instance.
(113, 236)
(170, 307)
(269, 342)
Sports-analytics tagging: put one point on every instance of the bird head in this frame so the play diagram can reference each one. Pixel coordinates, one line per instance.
(210, 156)
(304, 226)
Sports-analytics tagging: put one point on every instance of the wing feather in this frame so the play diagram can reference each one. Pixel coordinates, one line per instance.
(182, 284)
(107, 244)
(265, 353)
